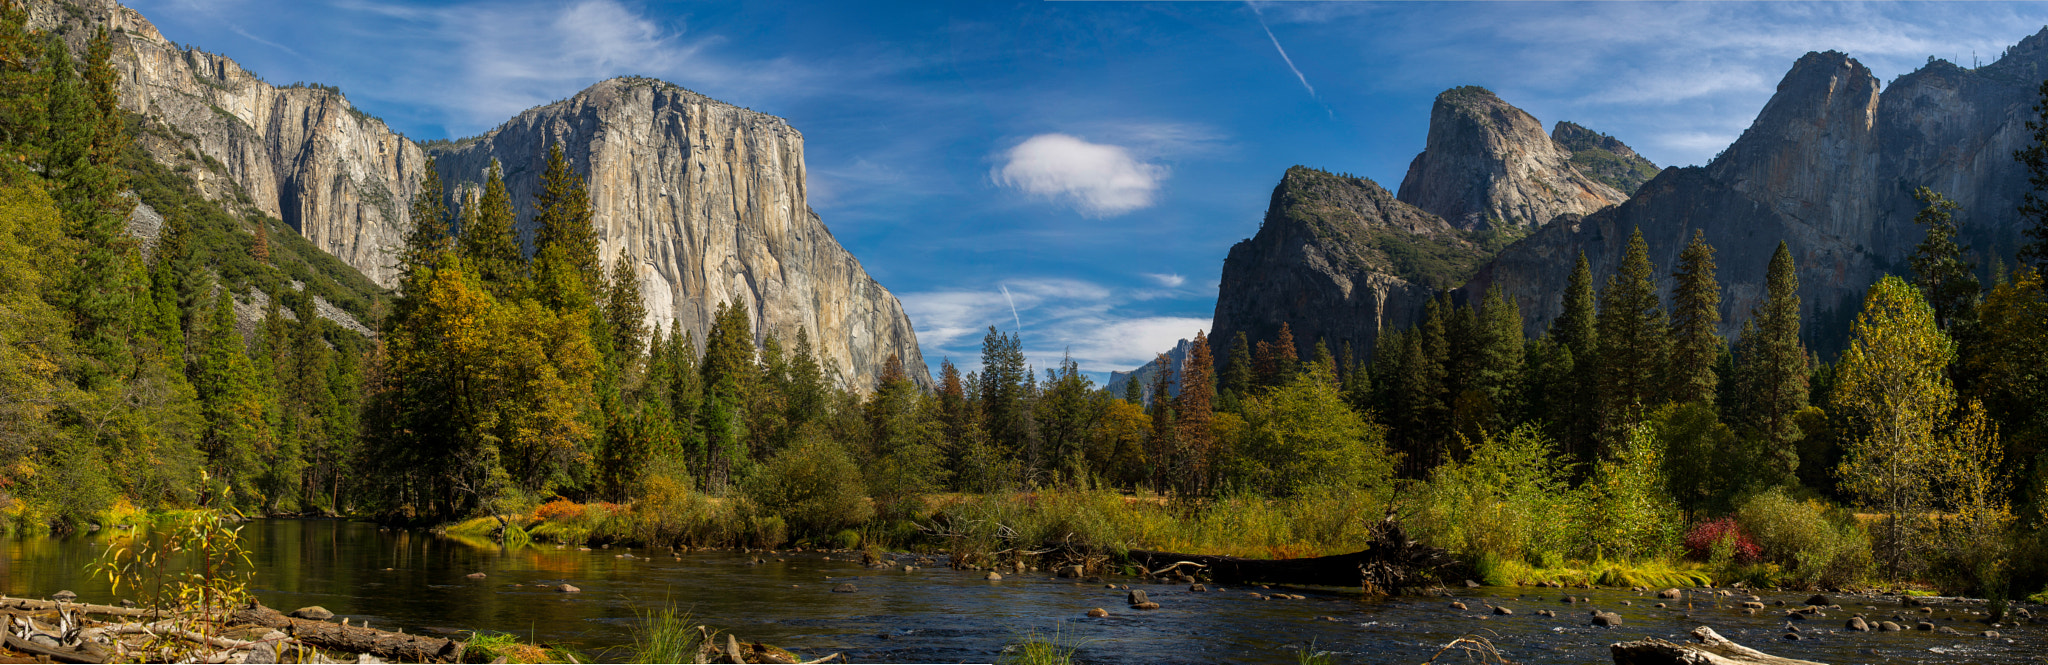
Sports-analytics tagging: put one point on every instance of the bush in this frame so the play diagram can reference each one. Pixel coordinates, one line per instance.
(807, 485)
(1814, 547)
(1506, 501)
(1720, 541)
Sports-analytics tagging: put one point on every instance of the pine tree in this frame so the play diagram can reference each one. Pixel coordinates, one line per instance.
(230, 398)
(1004, 384)
(567, 268)
(808, 399)
(1195, 410)
(490, 244)
(2033, 208)
(1575, 335)
(429, 234)
(1237, 371)
(1286, 356)
(1945, 278)
(24, 85)
(1576, 327)
(1165, 432)
(87, 188)
(1771, 364)
(1632, 341)
(1695, 318)
(1499, 357)
(728, 371)
(624, 311)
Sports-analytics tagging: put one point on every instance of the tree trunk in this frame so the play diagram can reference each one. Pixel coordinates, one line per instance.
(382, 644)
(1710, 649)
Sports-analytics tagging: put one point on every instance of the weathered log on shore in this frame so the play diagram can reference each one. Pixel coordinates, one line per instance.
(1710, 649)
(82, 653)
(48, 605)
(1390, 564)
(382, 644)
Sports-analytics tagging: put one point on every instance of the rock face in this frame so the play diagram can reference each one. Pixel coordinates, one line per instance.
(708, 202)
(302, 154)
(1603, 158)
(1488, 165)
(1828, 167)
(1339, 259)
(1144, 374)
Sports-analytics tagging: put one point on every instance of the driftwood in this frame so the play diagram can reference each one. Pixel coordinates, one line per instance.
(47, 605)
(1389, 564)
(1709, 649)
(83, 653)
(382, 644)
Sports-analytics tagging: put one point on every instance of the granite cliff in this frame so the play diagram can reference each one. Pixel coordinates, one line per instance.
(708, 202)
(708, 199)
(1487, 165)
(1603, 158)
(1828, 166)
(299, 153)
(1339, 258)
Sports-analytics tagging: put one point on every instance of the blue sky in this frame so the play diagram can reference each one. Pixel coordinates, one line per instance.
(1089, 163)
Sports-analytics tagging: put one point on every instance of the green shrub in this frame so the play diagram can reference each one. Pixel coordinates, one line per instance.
(1814, 548)
(1508, 499)
(847, 539)
(806, 484)
(770, 532)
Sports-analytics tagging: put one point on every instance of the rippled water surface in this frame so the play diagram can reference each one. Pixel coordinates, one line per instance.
(416, 581)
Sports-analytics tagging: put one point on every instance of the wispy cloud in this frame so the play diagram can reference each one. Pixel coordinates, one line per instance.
(1058, 317)
(1099, 180)
(1283, 51)
(1170, 281)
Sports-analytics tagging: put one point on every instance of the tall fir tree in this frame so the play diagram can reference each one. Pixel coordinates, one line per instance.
(24, 85)
(1195, 407)
(1575, 335)
(1633, 343)
(429, 233)
(490, 238)
(567, 269)
(625, 311)
(1696, 344)
(87, 182)
(1943, 275)
(1165, 432)
(1771, 366)
(1236, 381)
(1499, 357)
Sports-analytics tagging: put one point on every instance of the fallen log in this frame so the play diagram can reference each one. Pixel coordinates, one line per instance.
(380, 643)
(82, 653)
(44, 605)
(1709, 649)
(1390, 564)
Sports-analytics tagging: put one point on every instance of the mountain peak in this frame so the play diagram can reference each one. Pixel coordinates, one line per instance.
(1602, 157)
(1489, 165)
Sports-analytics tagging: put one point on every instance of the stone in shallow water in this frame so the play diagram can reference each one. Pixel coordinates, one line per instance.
(1098, 613)
(567, 588)
(316, 613)
(844, 588)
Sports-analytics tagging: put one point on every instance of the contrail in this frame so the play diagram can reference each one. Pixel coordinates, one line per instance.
(1283, 51)
(1013, 307)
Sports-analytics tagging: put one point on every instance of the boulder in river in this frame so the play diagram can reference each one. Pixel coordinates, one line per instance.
(1819, 601)
(1098, 613)
(1924, 625)
(1136, 597)
(567, 588)
(316, 613)
(1888, 627)
(1502, 611)
(1471, 584)
(1145, 606)
(994, 576)
(1608, 619)
(475, 576)
(1197, 588)
(1857, 624)
(1454, 605)
(844, 588)
(1670, 594)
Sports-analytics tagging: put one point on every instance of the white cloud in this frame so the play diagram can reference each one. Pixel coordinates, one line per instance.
(1167, 280)
(1099, 180)
(1060, 317)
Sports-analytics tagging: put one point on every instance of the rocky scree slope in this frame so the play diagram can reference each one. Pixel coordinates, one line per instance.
(1339, 259)
(1828, 166)
(1487, 165)
(707, 201)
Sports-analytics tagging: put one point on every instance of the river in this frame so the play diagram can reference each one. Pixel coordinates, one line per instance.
(418, 581)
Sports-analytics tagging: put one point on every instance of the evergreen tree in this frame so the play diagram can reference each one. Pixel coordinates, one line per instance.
(1286, 358)
(1695, 317)
(230, 397)
(1771, 366)
(808, 398)
(1945, 278)
(24, 85)
(1004, 399)
(1237, 371)
(1165, 431)
(1576, 328)
(1576, 341)
(1499, 359)
(429, 233)
(728, 377)
(624, 311)
(490, 239)
(1194, 408)
(1632, 340)
(563, 218)
(87, 186)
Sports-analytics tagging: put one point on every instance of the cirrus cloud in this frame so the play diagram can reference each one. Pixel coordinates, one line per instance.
(1099, 180)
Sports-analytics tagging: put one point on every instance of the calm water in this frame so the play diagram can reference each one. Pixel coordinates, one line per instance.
(415, 580)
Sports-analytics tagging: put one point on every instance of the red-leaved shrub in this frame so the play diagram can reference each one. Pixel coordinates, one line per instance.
(1701, 539)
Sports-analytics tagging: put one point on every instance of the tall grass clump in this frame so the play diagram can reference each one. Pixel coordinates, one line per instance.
(665, 636)
(1038, 649)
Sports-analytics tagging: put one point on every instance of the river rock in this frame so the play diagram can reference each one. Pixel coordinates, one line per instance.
(1136, 596)
(1145, 606)
(1857, 624)
(1070, 571)
(1471, 584)
(1989, 633)
(1197, 588)
(1098, 613)
(316, 613)
(1818, 601)
(994, 577)
(1608, 619)
(1924, 625)
(1753, 605)
(1545, 613)
(844, 588)
(1454, 605)
(1670, 594)
(567, 588)
(1888, 627)
(1502, 611)
(65, 596)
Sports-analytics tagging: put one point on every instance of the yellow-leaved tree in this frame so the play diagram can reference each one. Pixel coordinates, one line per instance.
(1893, 391)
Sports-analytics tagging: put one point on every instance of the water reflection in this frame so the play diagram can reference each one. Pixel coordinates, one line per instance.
(418, 581)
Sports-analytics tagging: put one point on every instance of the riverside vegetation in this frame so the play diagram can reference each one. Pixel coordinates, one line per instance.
(512, 392)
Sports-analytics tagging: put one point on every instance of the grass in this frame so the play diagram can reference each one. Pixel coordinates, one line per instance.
(1663, 574)
(1309, 655)
(485, 647)
(665, 636)
(1035, 648)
